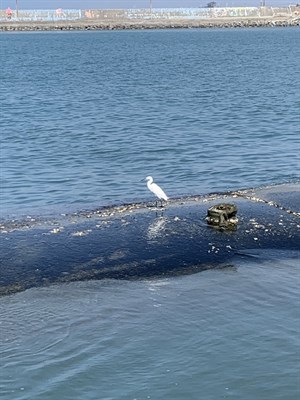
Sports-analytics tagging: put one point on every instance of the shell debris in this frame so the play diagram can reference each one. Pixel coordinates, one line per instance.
(81, 233)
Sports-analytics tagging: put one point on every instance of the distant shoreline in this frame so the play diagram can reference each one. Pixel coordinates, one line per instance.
(126, 24)
(148, 18)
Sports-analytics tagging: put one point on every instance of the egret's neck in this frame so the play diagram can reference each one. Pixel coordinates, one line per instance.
(149, 184)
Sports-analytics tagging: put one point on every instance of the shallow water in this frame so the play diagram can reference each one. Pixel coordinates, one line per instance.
(85, 116)
(230, 333)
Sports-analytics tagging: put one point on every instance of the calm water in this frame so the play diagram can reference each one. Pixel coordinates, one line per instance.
(223, 334)
(84, 117)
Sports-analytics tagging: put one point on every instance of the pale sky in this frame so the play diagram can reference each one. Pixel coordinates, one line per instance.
(97, 4)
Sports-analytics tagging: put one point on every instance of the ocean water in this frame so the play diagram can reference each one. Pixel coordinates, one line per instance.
(220, 334)
(84, 117)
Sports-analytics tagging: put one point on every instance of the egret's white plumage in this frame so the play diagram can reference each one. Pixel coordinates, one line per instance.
(154, 188)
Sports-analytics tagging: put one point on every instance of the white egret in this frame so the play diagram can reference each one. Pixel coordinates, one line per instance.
(154, 188)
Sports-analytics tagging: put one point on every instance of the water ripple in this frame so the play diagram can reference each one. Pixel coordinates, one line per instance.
(201, 111)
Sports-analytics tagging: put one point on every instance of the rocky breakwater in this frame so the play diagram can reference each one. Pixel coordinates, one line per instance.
(86, 24)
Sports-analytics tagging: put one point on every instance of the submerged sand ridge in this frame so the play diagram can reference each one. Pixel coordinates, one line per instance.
(135, 241)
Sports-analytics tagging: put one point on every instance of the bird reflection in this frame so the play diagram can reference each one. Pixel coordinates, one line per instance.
(156, 228)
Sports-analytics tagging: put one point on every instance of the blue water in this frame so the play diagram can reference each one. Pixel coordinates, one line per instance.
(223, 334)
(84, 117)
